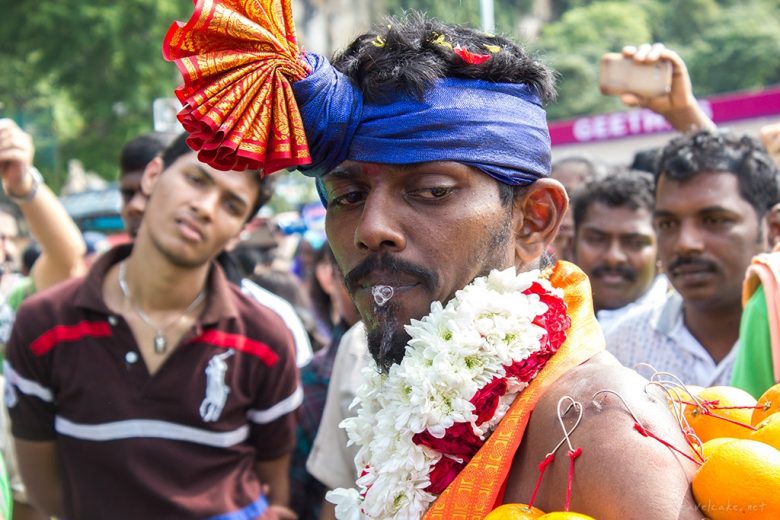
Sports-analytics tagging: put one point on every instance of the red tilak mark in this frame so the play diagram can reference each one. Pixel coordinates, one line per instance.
(572, 457)
(647, 433)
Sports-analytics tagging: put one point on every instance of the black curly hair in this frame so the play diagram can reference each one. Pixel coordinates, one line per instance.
(723, 151)
(410, 52)
(631, 189)
(137, 153)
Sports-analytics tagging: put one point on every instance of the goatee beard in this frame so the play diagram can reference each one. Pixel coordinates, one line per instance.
(387, 340)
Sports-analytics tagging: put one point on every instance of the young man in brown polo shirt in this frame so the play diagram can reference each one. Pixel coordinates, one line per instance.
(152, 388)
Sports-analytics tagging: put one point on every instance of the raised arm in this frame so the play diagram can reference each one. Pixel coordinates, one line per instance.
(62, 248)
(679, 107)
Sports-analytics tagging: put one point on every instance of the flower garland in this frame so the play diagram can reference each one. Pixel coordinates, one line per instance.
(465, 363)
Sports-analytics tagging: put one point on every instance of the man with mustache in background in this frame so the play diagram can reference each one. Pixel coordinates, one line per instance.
(713, 190)
(615, 244)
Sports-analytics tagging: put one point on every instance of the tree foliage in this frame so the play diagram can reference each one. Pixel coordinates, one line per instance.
(741, 50)
(727, 44)
(99, 62)
(82, 76)
(574, 44)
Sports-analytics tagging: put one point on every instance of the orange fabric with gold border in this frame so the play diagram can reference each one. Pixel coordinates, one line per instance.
(238, 59)
(475, 491)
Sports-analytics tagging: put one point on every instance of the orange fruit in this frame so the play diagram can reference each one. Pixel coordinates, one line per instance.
(514, 512)
(713, 444)
(563, 515)
(768, 431)
(677, 396)
(740, 480)
(729, 422)
(769, 403)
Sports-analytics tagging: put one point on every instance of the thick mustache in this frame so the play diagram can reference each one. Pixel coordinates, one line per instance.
(389, 264)
(624, 271)
(681, 261)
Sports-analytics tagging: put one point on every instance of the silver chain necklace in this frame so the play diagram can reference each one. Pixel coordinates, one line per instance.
(160, 341)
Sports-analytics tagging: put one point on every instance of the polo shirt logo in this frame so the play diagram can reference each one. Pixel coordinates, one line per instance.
(216, 389)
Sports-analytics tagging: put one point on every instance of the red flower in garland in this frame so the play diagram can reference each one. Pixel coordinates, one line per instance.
(486, 399)
(460, 443)
(526, 369)
(443, 473)
(555, 321)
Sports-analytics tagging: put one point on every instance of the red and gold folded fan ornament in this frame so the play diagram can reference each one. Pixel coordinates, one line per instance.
(238, 59)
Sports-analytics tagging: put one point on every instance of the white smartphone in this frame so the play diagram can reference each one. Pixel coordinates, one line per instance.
(621, 75)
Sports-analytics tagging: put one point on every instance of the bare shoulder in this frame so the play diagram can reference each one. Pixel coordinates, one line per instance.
(620, 473)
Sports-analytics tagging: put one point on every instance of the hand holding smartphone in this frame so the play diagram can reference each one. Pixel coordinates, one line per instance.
(621, 75)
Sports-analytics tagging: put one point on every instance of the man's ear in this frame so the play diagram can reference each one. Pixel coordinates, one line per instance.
(151, 174)
(537, 213)
(773, 226)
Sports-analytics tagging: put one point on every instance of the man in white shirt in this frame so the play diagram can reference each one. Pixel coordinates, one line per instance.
(713, 190)
(615, 244)
(331, 461)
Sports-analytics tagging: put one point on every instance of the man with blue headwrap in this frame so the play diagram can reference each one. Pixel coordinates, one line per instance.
(431, 151)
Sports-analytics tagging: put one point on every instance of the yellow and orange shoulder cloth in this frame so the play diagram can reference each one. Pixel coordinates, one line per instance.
(479, 488)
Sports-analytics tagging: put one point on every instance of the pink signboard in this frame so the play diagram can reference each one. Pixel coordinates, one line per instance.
(616, 125)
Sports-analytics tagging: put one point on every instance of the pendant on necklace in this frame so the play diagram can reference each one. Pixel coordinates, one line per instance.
(160, 343)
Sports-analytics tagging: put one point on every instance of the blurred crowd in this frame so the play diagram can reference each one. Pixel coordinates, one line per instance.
(678, 247)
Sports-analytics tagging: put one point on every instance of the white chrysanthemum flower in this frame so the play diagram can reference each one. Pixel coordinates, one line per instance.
(453, 352)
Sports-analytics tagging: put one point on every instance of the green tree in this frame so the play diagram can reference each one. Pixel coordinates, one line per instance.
(101, 60)
(574, 44)
(81, 76)
(741, 51)
(684, 21)
(507, 12)
(601, 25)
(727, 45)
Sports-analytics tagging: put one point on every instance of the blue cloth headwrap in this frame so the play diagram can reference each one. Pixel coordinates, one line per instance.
(499, 128)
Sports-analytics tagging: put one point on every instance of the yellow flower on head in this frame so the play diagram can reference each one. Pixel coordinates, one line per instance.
(378, 42)
(440, 40)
